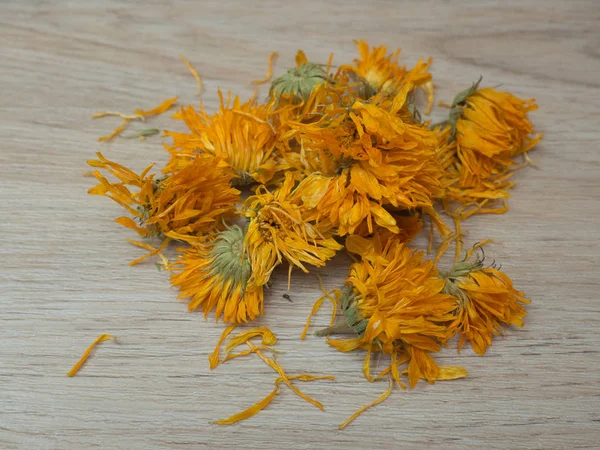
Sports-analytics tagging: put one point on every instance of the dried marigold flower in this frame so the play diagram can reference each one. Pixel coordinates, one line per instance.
(487, 130)
(380, 72)
(215, 274)
(182, 205)
(485, 299)
(239, 133)
(278, 230)
(488, 123)
(393, 303)
(362, 157)
(465, 193)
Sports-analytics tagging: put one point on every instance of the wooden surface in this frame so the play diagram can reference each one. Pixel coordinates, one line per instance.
(65, 279)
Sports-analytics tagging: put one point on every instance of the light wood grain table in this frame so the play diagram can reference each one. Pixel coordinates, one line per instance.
(64, 277)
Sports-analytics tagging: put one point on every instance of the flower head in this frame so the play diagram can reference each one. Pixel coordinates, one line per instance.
(278, 230)
(487, 130)
(381, 72)
(362, 157)
(491, 123)
(182, 205)
(240, 133)
(393, 302)
(484, 300)
(215, 274)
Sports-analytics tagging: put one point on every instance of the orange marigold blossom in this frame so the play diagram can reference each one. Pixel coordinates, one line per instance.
(380, 72)
(239, 133)
(360, 158)
(394, 303)
(278, 230)
(182, 205)
(215, 274)
(485, 299)
(487, 130)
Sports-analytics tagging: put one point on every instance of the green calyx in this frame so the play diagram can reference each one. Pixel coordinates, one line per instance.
(462, 269)
(458, 104)
(353, 322)
(228, 259)
(462, 96)
(298, 83)
(457, 271)
(452, 289)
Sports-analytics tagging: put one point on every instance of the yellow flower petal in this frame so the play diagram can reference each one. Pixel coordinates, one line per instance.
(380, 399)
(86, 354)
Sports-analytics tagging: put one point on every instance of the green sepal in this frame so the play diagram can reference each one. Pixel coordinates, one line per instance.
(228, 258)
(462, 96)
(299, 82)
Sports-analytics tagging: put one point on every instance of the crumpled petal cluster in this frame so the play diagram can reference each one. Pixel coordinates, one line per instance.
(278, 230)
(394, 302)
(360, 159)
(485, 300)
(214, 276)
(183, 204)
(487, 129)
(239, 132)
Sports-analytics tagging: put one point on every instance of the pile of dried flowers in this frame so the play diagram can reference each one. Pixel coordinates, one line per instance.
(335, 160)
